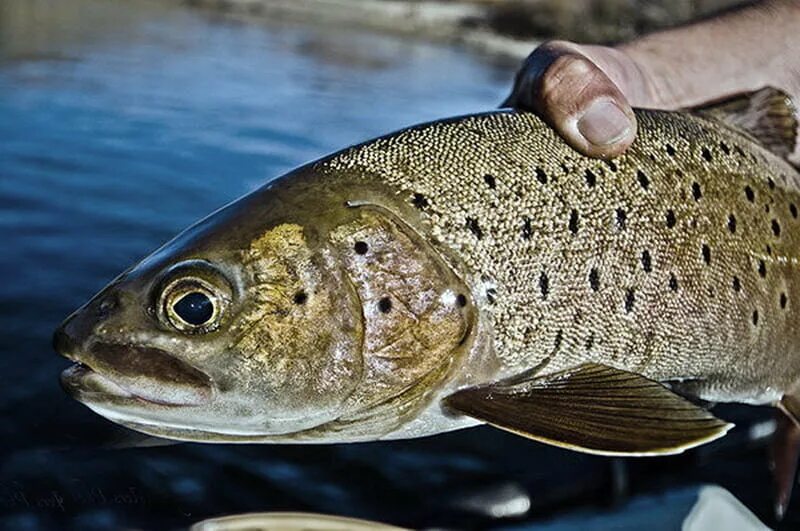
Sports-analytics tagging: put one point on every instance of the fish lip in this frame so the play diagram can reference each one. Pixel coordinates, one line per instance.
(74, 381)
(86, 383)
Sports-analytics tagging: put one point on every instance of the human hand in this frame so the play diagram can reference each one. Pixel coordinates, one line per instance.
(585, 93)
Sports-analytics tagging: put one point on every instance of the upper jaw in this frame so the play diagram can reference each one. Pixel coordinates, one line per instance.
(113, 371)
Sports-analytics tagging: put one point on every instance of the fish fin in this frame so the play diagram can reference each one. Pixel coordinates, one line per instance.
(790, 405)
(592, 408)
(783, 454)
(768, 115)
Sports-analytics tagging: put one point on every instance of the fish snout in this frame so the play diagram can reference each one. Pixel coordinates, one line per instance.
(63, 343)
(111, 364)
(79, 326)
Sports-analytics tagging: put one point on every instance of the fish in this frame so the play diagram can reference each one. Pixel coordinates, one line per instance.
(473, 270)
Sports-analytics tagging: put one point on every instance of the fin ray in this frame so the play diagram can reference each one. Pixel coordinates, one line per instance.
(581, 409)
(768, 115)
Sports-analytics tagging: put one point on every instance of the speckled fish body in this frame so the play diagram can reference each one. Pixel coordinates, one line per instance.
(677, 260)
(469, 270)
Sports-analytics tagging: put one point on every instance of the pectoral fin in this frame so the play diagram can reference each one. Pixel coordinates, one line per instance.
(592, 408)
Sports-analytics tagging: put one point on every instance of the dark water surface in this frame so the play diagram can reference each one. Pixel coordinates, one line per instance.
(123, 122)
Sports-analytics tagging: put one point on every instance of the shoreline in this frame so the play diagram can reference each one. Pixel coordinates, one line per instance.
(444, 21)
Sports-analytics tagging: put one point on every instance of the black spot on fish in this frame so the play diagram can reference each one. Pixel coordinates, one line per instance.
(590, 341)
(622, 218)
(673, 282)
(461, 300)
(670, 218)
(573, 221)
(564, 168)
(491, 295)
(385, 305)
(737, 285)
(762, 268)
(558, 339)
(591, 178)
(544, 285)
(732, 223)
(707, 154)
(776, 228)
(749, 194)
(793, 210)
(670, 150)
(594, 279)
(361, 247)
(783, 300)
(611, 165)
(630, 298)
(725, 148)
(706, 254)
(420, 201)
(697, 193)
(541, 176)
(755, 317)
(739, 151)
(770, 183)
(766, 209)
(768, 250)
(646, 261)
(527, 229)
(490, 181)
(300, 297)
(644, 182)
(472, 225)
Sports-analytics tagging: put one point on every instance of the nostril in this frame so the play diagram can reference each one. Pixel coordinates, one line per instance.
(62, 343)
(106, 306)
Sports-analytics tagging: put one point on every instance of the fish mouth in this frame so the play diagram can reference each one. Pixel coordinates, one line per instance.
(134, 375)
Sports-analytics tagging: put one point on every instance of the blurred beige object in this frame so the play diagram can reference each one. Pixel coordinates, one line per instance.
(288, 522)
(716, 508)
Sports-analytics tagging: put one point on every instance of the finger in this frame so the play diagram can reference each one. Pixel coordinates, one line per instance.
(577, 99)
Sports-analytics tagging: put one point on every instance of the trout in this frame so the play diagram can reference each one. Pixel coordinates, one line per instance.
(472, 270)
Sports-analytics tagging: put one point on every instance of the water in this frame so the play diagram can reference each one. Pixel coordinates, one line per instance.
(123, 122)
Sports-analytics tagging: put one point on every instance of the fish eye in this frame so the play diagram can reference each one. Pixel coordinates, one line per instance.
(191, 305)
(195, 308)
(192, 297)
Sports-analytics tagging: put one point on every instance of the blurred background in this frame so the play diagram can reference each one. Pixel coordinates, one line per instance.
(123, 121)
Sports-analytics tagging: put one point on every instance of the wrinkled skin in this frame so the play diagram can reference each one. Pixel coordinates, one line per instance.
(330, 320)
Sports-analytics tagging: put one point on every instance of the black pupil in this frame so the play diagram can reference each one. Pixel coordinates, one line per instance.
(195, 308)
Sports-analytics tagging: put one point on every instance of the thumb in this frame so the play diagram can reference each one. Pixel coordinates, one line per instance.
(576, 97)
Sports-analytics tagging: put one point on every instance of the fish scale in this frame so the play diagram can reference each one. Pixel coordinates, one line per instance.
(695, 168)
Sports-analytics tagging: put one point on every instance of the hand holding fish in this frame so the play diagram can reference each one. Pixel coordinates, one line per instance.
(586, 92)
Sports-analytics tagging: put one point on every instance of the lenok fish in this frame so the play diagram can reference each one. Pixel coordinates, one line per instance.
(472, 270)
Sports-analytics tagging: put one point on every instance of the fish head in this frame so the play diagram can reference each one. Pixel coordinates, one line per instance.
(278, 318)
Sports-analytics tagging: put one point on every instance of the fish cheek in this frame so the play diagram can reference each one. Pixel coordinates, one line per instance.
(418, 317)
(297, 338)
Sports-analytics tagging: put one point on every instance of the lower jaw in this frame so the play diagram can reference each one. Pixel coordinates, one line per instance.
(80, 379)
(86, 385)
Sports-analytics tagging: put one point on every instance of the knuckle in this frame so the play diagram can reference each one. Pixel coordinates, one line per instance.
(573, 81)
(564, 79)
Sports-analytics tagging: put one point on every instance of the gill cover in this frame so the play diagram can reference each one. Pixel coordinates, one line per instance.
(417, 320)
